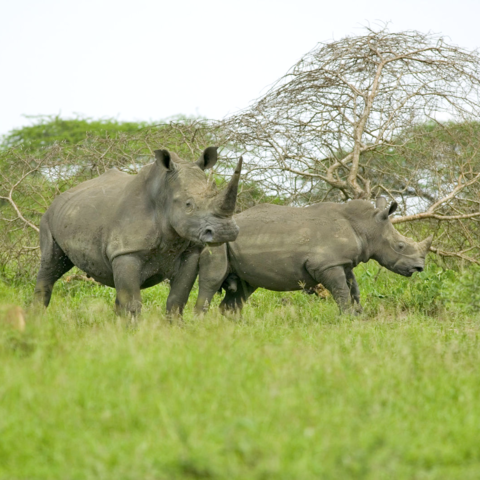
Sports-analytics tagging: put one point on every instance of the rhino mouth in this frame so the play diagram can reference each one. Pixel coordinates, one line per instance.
(412, 270)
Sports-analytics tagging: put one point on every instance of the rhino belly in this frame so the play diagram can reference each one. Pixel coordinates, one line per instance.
(88, 257)
(276, 272)
(85, 248)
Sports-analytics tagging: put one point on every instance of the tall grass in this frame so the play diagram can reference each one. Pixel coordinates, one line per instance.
(288, 390)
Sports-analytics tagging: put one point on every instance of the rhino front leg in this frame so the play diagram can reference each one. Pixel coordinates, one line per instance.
(182, 282)
(126, 274)
(333, 279)
(354, 290)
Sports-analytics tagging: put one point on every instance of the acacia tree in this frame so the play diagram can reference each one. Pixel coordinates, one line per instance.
(344, 122)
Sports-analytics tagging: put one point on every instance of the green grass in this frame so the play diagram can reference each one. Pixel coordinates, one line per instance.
(289, 391)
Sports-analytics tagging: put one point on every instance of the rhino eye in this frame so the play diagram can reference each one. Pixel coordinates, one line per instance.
(189, 205)
(401, 246)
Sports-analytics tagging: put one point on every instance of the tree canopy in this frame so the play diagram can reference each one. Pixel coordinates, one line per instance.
(46, 130)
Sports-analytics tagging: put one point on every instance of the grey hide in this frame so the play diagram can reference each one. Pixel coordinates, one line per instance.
(133, 231)
(286, 248)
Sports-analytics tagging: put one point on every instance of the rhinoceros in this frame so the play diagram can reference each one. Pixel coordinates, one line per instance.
(132, 231)
(286, 248)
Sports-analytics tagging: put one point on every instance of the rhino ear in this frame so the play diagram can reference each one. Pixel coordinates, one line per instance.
(393, 208)
(163, 159)
(384, 214)
(381, 203)
(208, 158)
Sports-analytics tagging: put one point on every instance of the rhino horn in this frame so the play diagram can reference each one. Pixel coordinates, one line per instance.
(425, 245)
(228, 198)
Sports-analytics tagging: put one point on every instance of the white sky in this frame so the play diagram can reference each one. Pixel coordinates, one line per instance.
(148, 60)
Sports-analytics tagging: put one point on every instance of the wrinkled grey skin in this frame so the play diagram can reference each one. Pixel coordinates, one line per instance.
(133, 231)
(286, 248)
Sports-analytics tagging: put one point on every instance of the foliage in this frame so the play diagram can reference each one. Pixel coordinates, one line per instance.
(463, 292)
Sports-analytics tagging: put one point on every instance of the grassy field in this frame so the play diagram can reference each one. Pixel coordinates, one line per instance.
(289, 391)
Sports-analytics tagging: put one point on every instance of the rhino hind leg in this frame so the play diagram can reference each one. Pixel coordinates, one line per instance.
(53, 264)
(354, 290)
(235, 299)
(335, 280)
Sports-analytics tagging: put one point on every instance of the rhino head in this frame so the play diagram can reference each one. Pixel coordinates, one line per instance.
(391, 249)
(193, 206)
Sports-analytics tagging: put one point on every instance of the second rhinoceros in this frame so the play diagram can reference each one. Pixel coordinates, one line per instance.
(286, 248)
(133, 231)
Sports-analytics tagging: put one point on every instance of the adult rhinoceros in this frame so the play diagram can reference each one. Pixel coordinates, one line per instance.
(133, 231)
(286, 248)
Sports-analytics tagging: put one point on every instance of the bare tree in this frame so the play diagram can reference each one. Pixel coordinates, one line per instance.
(344, 122)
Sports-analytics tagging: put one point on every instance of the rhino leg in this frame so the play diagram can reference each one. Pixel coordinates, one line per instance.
(182, 282)
(234, 300)
(126, 275)
(354, 290)
(335, 280)
(54, 263)
(213, 269)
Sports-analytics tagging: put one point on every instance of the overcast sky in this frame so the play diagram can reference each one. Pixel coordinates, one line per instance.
(149, 60)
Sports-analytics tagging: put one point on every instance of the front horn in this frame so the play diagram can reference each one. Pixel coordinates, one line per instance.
(229, 196)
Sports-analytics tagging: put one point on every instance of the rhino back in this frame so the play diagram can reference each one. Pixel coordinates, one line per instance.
(275, 242)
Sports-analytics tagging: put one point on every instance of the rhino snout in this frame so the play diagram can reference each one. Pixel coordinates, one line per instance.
(218, 234)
